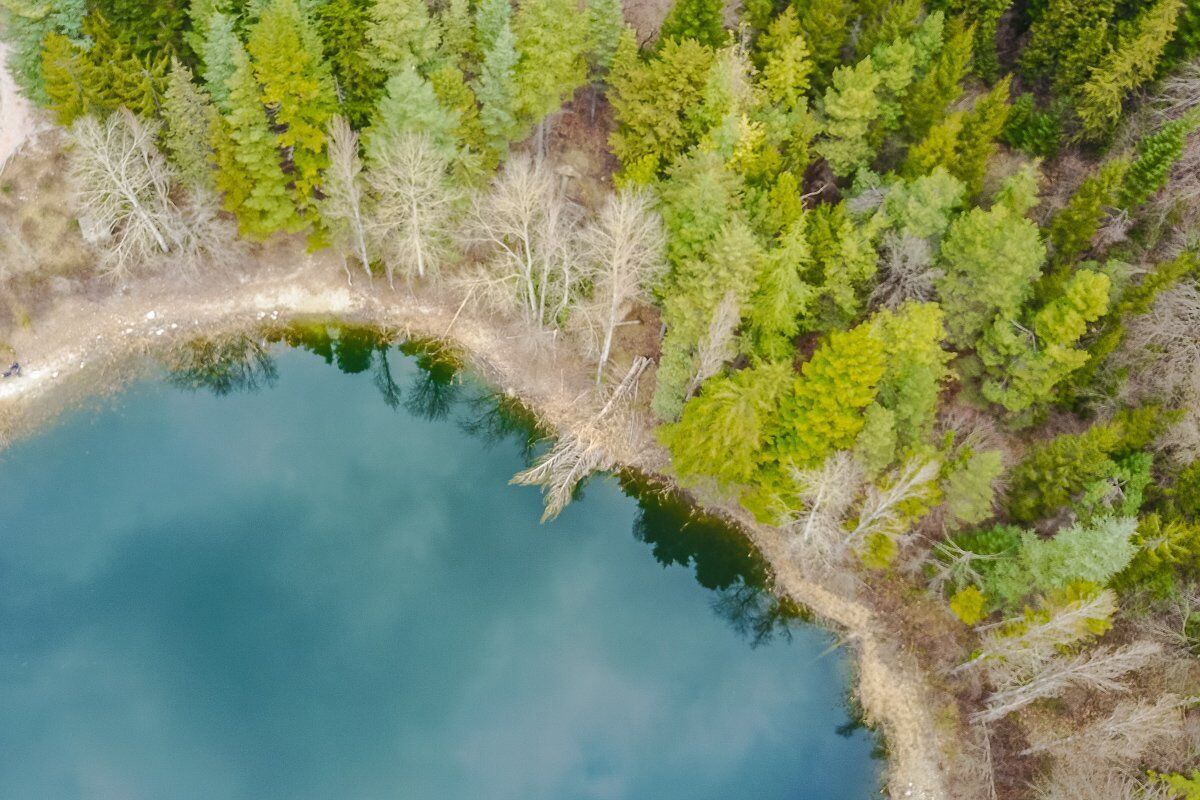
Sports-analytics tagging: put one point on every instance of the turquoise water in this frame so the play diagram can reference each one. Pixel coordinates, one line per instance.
(326, 589)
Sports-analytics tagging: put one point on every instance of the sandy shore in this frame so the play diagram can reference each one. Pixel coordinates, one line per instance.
(83, 347)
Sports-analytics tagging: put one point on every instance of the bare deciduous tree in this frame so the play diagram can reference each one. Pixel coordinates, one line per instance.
(819, 535)
(719, 345)
(579, 453)
(623, 248)
(122, 184)
(415, 206)
(343, 208)
(1098, 669)
(1120, 738)
(881, 507)
(907, 269)
(527, 227)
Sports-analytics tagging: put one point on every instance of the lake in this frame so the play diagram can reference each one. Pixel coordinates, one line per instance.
(264, 577)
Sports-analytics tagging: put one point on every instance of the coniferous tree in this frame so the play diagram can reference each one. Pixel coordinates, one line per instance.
(496, 89)
(401, 33)
(455, 96)
(458, 33)
(491, 16)
(1156, 155)
(551, 43)
(606, 23)
(410, 107)
(66, 79)
(1131, 63)
(1073, 227)
(27, 26)
(851, 105)
(1067, 39)
(248, 159)
(190, 115)
(217, 54)
(981, 18)
(297, 91)
(343, 26)
(926, 104)
(701, 20)
(824, 25)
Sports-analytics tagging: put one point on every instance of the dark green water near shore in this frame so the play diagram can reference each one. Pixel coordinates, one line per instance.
(316, 583)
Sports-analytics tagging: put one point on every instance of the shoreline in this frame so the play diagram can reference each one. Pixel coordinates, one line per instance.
(84, 348)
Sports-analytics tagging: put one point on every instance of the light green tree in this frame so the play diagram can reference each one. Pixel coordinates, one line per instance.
(496, 90)
(217, 53)
(401, 34)
(343, 26)
(851, 106)
(701, 20)
(190, 116)
(551, 43)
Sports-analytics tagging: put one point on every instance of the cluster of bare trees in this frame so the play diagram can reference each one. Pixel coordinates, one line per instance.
(842, 509)
(129, 204)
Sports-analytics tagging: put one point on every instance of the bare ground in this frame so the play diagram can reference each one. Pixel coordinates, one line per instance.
(81, 346)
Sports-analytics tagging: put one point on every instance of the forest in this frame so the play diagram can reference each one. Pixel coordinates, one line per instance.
(922, 278)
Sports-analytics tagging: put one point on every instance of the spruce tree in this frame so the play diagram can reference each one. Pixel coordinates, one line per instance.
(926, 104)
(497, 91)
(977, 140)
(1073, 227)
(66, 79)
(884, 21)
(409, 107)
(981, 20)
(1131, 63)
(454, 95)
(1156, 155)
(1067, 39)
(458, 32)
(491, 16)
(824, 24)
(551, 42)
(248, 160)
(851, 105)
(343, 27)
(701, 20)
(189, 115)
(26, 28)
(606, 23)
(217, 54)
(297, 91)
(401, 33)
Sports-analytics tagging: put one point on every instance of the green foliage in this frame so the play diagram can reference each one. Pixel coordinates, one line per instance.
(1094, 553)
(844, 260)
(823, 411)
(26, 27)
(1181, 786)
(721, 432)
(248, 162)
(915, 368)
(1058, 471)
(1038, 133)
(983, 17)
(968, 605)
(781, 297)
(296, 88)
(968, 486)
(343, 26)
(1026, 363)
(452, 93)
(106, 76)
(851, 106)
(154, 31)
(1066, 40)
(189, 115)
(700, 20)
(218, 52)
(991, 259)
(963, 143)
(1073, 227)
(1164, 548)
(401, 34)
(605, 24)
(410, 107)
(551, 43)
(1156, 154)
(1131, 62)
(927, 101)
(824, 25)
(497, 90)
(875, 447)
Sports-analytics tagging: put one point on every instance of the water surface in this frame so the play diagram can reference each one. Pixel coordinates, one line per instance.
(326, 589)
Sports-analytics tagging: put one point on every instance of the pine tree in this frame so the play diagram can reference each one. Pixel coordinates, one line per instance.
(925, 105)
(657, 102)
(27, 27)
(401, 33)
(1156, 155)
(1073, 227)
(297, 91)
(551, 42)
(991, 259)
(824, 25)
(784, 80)
(190, 116)
(851, 105)
(217, 53)
(410, 107)
(1067, 39)
(453, 94)
(491, 17)
(968, 486)
(915, 368)
(199, 14)
(248, 161)
(497, 91)
(1131, 63)
(66, 77)
(781, 296)
(981, 18)
(779, 32)
(153, 31)
(977, 140)
(343, 26)
(458, 32)
(701, 20)
(606, 22)
(883, 21)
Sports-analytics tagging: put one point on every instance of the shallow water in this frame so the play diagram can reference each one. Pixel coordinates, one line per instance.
(308, 592)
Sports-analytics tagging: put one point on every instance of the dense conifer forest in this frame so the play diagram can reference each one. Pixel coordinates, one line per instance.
(927, 276)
